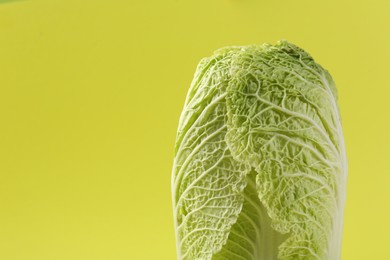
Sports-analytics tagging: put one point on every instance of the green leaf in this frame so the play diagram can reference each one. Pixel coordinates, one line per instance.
(8, 1)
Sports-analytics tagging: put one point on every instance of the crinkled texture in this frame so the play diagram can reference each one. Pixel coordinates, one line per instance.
(260, 165)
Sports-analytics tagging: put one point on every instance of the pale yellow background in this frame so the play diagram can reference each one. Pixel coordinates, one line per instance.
(91, 92)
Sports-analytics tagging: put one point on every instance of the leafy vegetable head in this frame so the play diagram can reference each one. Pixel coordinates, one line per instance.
(260, 166)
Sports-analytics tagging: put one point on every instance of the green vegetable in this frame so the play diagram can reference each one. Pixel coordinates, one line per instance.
(260, 166)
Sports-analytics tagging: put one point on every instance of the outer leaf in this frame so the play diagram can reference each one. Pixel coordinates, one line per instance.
(284, 122)
(207, 182)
